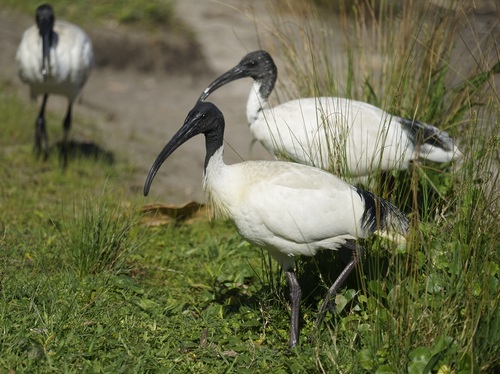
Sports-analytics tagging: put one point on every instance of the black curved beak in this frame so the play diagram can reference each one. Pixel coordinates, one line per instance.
(45, 21)
(45, 33)
(45, 54)
(188, 130)
(233, 74)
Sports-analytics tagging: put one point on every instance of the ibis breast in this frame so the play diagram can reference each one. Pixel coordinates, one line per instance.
(71, 60)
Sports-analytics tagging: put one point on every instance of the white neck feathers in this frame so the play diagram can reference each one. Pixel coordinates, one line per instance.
(213, 185)
(255, 103)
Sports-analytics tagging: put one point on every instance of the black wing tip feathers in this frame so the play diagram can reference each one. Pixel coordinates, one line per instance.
(422, 133)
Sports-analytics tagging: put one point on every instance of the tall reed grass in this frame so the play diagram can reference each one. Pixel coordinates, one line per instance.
(432, 306)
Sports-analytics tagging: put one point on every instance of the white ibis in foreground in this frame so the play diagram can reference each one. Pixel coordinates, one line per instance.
(286, 208)
(54, 57)
(344, 136)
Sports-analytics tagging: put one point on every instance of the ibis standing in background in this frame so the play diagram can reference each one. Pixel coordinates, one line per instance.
(54, 57)
(286, 208)
(347, 137)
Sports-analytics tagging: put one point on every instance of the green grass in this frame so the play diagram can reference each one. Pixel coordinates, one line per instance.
(86, 286)
(149, 15)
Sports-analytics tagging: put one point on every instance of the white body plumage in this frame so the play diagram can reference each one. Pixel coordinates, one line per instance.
(270, 204)
(333, 133)
(71, 61)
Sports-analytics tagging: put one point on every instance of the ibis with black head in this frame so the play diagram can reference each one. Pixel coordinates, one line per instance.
(286, 208)
(348, 137)
(55, 58)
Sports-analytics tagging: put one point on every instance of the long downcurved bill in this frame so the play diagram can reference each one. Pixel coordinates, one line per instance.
(229, 76)
(186, 132)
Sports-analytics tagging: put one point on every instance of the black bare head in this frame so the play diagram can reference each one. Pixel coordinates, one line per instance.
(205, 118)
(258, 65)
(45, 18)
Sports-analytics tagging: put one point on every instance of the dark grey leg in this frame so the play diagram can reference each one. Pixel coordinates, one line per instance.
(41, 140)
(295, 295)
(66, 128)
(357, 253)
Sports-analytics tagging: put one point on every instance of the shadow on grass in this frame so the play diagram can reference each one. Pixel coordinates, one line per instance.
(88, 150)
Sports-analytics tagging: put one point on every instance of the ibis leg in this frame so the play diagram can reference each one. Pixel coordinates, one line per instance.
(66, 128)
(357, 253)
(41, 140)
(295, 295)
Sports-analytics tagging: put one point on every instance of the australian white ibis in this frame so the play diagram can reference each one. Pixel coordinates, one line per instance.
(54, 57)
(286, 208)
(348, 137)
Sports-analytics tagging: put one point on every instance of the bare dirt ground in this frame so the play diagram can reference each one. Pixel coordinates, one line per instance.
(142, 88)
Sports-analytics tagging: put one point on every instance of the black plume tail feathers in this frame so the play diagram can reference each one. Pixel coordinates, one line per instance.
(433, 144)
(383, 218)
